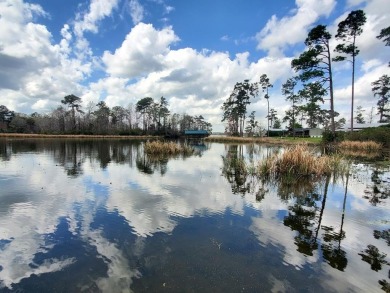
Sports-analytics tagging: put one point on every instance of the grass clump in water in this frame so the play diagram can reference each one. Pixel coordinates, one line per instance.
(167, 148)
(300, 161)
(370, 145)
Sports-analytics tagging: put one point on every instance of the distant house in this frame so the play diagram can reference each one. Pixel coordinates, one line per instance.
(315, 132)
(196, 133)
(306, 132)
(302, 132)
(274, 132)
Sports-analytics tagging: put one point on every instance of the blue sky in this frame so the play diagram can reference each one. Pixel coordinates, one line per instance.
(191, 52)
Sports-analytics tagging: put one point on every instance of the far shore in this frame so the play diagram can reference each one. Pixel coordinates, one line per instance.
(264, 140)
(75, 136)
(212, 138)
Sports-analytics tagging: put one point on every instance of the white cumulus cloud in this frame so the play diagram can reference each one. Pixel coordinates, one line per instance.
(291, 29)
(142, 52)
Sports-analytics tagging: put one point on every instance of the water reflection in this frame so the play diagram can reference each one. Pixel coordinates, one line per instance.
(150, 163)
(385, 234)
(115, 219)
(379, 189)
(332, 249)
(306, 201)
(301, 218)
(234, 169)
(305, 198)
(374, 257)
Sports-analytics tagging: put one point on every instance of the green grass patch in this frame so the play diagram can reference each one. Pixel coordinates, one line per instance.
(310, 140)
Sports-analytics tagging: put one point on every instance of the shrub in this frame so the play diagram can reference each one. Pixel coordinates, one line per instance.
(329, 137)
(135, 131)
(378, 134)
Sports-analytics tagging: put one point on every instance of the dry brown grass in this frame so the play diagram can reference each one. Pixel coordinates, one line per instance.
(262, 140)
(235, 139)
(360, 145)
(370, 154)
(298, 161)
(166, 148)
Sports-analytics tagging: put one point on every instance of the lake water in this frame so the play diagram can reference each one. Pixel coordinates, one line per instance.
(101, 216)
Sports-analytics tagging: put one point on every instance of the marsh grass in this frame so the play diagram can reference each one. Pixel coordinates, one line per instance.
(300, 161)
(157, 148)
(368, 146)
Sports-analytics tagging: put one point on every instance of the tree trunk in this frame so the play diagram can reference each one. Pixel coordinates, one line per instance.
(333, 128)
(353, 82)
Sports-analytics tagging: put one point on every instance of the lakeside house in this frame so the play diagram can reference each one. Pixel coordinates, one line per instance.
(201, 133)
(299, 132)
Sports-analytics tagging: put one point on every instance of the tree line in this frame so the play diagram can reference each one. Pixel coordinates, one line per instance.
(306, 91)
(146, 117)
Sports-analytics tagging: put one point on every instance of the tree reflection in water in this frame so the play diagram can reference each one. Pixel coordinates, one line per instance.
(305, 217)
(150, 163)
(332, 252)
(235, 170)
(379, 190)
(385, 235)
(306, 198)
(70, 156)
(5, 150)
(290, 188)
(374, 257)
(331, 249)
(376, 193)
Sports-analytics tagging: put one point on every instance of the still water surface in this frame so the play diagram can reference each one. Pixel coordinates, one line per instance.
(101, 216)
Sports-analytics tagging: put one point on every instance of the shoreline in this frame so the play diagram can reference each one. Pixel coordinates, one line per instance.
(74, 136)
(216, 139)
(264, 140)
